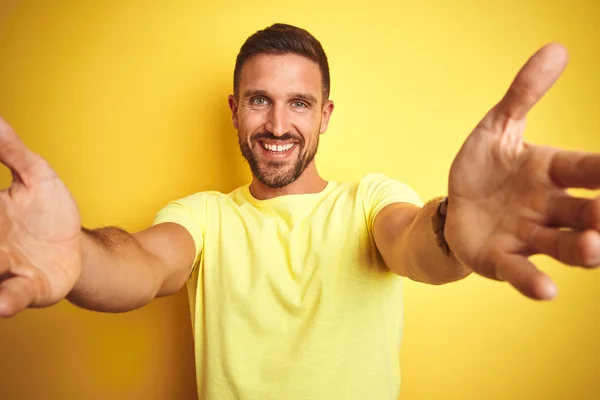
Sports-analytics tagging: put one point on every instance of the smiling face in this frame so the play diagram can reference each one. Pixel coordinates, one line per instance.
(279, 114)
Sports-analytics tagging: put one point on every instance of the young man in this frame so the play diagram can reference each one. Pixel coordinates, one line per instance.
(295, 281)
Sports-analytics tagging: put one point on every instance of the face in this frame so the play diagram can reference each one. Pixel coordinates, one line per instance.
(279, 115)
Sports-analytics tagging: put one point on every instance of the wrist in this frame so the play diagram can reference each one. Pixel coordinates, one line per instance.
(86, 247)
(439, 226)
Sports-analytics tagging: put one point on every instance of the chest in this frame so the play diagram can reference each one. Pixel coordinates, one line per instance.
(288, 259)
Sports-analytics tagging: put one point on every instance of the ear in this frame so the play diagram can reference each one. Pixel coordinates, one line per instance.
(234, 108)
(327, 111)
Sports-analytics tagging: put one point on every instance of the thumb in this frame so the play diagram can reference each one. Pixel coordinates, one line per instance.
(15, 155)
(532, 81)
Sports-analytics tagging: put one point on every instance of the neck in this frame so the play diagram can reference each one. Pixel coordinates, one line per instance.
(309, 182)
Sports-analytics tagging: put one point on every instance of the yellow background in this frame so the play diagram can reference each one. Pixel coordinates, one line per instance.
(128, 101)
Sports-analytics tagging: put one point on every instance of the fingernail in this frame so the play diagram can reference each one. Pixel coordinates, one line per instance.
(550, 291)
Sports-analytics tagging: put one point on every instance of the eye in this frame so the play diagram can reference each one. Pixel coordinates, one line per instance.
(259, 101)
(299, 104)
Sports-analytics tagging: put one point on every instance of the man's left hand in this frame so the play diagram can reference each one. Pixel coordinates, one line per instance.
(507, 199)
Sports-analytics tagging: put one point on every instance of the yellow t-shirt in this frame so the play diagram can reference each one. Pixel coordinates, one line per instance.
(289, 296)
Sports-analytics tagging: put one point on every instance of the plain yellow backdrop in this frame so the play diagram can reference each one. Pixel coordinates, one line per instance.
(128, 101)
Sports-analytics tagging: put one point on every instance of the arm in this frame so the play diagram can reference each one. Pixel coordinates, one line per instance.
(405, 237)
(45, 256)
(122, 271)
(508, 200)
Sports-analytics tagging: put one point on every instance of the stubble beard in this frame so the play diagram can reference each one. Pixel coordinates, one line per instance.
(277, 174)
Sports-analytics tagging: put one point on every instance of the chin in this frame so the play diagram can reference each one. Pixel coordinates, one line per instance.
(276, 182)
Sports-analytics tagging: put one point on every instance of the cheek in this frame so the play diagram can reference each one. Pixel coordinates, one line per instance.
(309, 129)
(250, 121)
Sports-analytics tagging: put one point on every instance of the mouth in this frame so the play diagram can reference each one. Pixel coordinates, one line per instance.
(277, 150)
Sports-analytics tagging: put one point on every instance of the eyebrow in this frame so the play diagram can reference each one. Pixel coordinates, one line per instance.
(309, 98)
(301, 96)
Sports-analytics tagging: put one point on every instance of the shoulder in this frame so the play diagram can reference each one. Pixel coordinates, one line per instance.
(374, 178)
(202, 197)
(375, 186)
(198, 203)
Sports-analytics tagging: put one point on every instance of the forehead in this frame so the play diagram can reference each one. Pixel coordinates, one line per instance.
(288, 73)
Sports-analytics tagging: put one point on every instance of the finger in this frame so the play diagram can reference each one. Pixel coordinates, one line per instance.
(25, 165)
(574, 212)
(4, 264)
(532, 81)
(13, 152)
(523, 275)
(575, 169)
(569, 247)
(16, 294)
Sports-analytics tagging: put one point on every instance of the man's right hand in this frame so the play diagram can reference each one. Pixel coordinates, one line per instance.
(40, 251)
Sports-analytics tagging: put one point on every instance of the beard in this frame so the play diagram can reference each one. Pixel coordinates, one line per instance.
(277, 174)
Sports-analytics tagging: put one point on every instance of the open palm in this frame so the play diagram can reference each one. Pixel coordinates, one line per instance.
(40, 257)
(507, 199)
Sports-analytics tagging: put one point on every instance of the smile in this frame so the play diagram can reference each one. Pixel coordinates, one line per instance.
(277, 148)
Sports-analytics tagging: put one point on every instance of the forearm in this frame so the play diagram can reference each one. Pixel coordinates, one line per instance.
(421, 257)
(117, 274)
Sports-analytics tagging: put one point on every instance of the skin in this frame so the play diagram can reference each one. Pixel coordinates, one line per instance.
(281, 103)
(508, 197)
(507, 201)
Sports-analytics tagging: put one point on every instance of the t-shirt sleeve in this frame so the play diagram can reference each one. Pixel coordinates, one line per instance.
(189, 212)
(379, 191)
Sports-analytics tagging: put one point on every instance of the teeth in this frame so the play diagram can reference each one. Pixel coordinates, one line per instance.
(278, 148)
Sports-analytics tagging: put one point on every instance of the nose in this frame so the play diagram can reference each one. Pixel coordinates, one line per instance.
(278, 122)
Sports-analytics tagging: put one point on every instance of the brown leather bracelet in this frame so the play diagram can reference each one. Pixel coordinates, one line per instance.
(439, 222)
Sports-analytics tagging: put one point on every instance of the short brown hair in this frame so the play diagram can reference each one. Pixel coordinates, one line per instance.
(283, 39)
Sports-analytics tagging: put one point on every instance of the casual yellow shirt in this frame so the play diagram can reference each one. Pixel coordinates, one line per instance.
(289, 297)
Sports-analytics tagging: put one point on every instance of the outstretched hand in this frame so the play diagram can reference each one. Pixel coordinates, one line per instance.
(507, 199)
(40, 257)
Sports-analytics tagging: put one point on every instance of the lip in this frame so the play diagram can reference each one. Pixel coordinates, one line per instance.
(279, 155)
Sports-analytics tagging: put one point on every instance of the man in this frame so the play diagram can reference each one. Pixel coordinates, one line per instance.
(295, 281)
